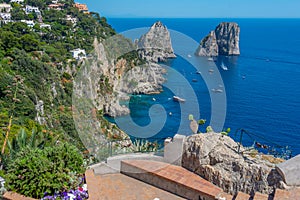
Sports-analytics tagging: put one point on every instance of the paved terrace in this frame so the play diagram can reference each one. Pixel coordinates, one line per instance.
(121, 187)
(145, 179)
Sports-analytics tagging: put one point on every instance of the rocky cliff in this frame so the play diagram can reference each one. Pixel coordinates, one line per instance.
(224, 40)
(215, 158)
(208, 46)
(107, 81)
(156, 46)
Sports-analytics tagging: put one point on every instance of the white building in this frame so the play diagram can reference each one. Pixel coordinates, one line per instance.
(5, 16)
(5, 8)
(17, 1)
(29, 23)
(73, 20)
(42, 25)
(30, 9)
(5, 21)
(78, 54)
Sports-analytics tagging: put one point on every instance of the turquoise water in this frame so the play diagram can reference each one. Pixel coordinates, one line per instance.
(262, 85)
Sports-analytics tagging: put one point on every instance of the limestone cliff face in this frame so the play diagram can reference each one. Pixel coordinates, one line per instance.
(208, 46)
(215, 158)
(156, 46)
(224, 40)
(106, 83)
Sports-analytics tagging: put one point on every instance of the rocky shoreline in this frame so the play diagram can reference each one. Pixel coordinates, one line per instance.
(215, 158)
(111, 81)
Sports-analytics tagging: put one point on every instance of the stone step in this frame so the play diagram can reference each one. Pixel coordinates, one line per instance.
(260, 196)
(174, 179)
(287, 194)
(242, 196)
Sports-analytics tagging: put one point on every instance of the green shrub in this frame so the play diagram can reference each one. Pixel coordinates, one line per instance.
(53, 169)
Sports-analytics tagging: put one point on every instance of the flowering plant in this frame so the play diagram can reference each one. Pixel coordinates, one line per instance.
(80, 193)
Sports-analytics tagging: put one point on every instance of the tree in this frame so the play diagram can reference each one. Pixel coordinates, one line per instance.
(18, 13)
(29, 43)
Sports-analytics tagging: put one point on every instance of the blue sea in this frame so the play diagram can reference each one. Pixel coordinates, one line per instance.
(261, 88)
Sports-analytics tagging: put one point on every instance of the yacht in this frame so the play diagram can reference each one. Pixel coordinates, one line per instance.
(217, 90)
(178, 99)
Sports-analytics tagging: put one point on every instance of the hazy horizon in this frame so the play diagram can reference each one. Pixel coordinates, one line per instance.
(195, 9)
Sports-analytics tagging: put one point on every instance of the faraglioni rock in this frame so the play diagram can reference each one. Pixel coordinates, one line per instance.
(156, 45)
(208, 46)
(214, 157)
(224, 40)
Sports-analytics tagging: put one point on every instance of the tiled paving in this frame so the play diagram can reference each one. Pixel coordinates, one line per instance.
(121, 187)
(116, 186)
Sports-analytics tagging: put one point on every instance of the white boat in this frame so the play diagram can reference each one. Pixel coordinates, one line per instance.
(189, 55)
(178, 99)
(211, 71)
(224, 67)
(198, 72)
(217, 90)
(153, 99)
(210, 59)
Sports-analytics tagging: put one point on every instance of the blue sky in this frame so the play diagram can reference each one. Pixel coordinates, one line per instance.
(196, 8)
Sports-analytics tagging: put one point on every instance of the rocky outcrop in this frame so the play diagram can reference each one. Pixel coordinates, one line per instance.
(215, 158)
(107, 82)
(39, 107)
(208, 46)
(106, 79)
(156, 46)
(224, 40)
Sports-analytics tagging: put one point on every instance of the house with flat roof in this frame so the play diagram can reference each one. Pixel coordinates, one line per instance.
(29, 23)
(5, 16)
(5, 8)
(30, 9)
(56, 6)
(48, 26)
(81, 7)
(17, 1)
(73, 20)
(78, 53)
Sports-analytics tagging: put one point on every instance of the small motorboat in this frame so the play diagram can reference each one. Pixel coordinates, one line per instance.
(153, 99)
(211, 71)
(189, 55)
(195, 80)
(217, 90)
(210, 59)
(198, 72)
(224, 67)
(178, 99)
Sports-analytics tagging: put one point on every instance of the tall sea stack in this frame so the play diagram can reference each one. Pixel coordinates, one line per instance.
(156, 45)
(224, 40)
